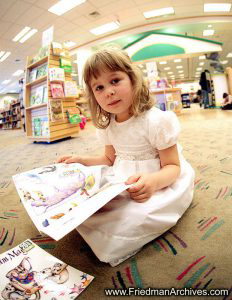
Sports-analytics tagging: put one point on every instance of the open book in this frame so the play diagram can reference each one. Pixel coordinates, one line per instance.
(60, 197)
(28, 272)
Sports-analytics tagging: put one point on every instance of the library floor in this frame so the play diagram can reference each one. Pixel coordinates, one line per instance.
(195, 253)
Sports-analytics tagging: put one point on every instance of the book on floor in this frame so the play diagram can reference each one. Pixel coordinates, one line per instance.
(29, 272)
(60, 197)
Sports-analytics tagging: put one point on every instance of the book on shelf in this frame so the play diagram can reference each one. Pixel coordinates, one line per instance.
(40, 126)
(33, 75)
(60, 197)
(66, 64)
(56, 74)
(73, 114)
(42, 71)
(38, 95)
(70, 89)
(57, 90)
(29, 272)
(56, 48)
(56, 110)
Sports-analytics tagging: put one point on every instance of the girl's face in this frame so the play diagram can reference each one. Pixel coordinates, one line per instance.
(114, 93)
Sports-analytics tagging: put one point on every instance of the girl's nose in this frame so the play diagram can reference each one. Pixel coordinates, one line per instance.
(110, 92)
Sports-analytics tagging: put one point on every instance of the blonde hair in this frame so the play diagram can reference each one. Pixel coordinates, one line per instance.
(115, 60)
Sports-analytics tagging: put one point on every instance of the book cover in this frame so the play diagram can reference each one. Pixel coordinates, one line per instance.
(60, 197)
(56, 110)
(70, 89)
(33, 75)
(28, 272)
(42, 71)
(56, 74)
(57, 90)
(73, 115)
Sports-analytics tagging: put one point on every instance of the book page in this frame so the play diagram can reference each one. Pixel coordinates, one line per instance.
(60, 197)
(28, 272)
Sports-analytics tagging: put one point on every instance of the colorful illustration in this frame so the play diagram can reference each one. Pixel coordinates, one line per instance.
(25, 276)
(60, 197)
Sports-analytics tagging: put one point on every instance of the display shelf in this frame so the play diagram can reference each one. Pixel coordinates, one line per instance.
(38, 63)
(168, 99)
(43, 124)
(10, 118)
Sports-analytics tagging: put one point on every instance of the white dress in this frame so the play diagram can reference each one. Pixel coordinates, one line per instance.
(123, 225)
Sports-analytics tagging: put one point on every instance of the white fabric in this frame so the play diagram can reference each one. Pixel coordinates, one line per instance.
(123, 225)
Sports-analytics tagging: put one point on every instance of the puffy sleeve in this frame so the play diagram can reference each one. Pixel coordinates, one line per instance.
(102, 135)
(164, 129)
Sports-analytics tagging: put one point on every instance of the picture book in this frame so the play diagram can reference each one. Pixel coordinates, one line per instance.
(66, 64)
(28, 272)
(56, 74)
(73, 115)
(37, 96)
(70, 89)
(56, 48)
(42, 71)
(59, 197)
(33, 75)
(57, 90)
(56, 110)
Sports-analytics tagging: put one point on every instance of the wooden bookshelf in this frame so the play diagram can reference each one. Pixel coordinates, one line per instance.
(11, 118)
(40, 127)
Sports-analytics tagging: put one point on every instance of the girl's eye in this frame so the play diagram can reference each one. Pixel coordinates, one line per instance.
(115, 81)
(99, 87)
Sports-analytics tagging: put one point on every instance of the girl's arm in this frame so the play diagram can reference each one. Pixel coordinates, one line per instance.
(147, 184)
(106, 159)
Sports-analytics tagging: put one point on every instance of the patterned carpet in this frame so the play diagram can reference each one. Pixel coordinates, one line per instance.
(196, 253)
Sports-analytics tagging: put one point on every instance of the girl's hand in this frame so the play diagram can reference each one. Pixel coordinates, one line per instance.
(144, 187)
(68, 159)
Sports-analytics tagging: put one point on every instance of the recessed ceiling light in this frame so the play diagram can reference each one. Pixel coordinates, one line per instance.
(1, 53)
(207, 32)
(179, 67)
(229, 54)
(209, 7)
(159, 12)
(63, 6)
(18, 72)
(21, 34)
(28, 35)
(224, 62)
(199, 69)
(4, 56)
(181, 71)
(163, 62)
(170, 72)
(177, 60)
(202, 57)
(105, 28)
(167, 68)
(201, 63)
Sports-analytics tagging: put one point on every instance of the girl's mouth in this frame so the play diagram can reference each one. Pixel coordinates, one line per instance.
(114, 102)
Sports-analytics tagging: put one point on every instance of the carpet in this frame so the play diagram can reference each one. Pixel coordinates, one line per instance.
(196, 253)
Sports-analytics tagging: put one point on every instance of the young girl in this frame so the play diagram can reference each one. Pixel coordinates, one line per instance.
(141, 148)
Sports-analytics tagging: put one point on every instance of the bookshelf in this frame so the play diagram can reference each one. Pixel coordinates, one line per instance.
(41, 125)
(168, 99)
(10, 118)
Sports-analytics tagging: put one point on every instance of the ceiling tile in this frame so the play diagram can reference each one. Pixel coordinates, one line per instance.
(15, 11)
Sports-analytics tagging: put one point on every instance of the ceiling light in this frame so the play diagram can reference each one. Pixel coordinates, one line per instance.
(170, 72)
(159, 12)
(229, 54)
(199, 69)
(21, 34)
(177, 60)
(69, 44)
(202, 57)
(209, 7)
(207, 32)
(201, 63)
(181, 71)
(163, 62)
(6, 81)
(18, 72)
(5, 56)
(1, 53)
(167, 68)
(179, 67)
(105, 28)
(28, 35)
(224, 62)
(63, 6)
